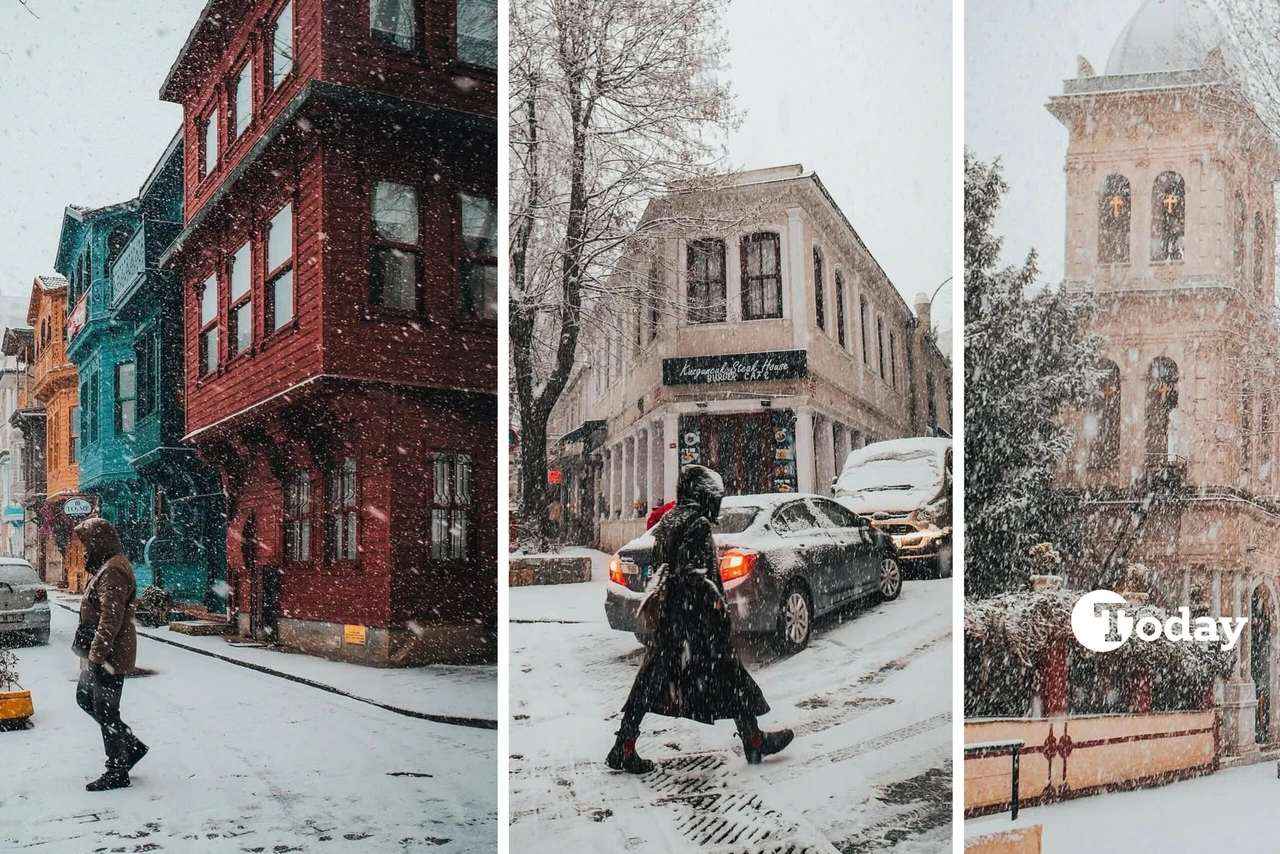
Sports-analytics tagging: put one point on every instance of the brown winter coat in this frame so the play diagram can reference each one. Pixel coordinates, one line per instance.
(110, 599)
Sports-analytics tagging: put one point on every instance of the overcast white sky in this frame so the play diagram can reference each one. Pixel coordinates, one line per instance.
(1017, 53)
(81, 121)
(858, 91)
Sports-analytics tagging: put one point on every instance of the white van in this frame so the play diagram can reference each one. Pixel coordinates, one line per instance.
(903, 487)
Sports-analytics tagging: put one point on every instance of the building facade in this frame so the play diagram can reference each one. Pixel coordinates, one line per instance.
(338, 268)
(1171, 226)
(27, 448)
(55, 386)
(184, 520)
(766, 350)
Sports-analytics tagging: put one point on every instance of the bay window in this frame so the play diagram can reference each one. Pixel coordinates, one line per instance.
(479, 267)
(279, 278)
(762, 275)
(209, 326)
(396, 245)
(478, 32)
(126, 408)
(392, 22)
(240, 318)
(209, 161)
(706, 296)
(282, 46)
(243, 102)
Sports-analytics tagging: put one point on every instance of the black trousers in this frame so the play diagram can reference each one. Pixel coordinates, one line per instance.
(98, 693)
(644, 694)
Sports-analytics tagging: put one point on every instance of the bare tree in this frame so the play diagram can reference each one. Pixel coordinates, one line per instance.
(612, 103)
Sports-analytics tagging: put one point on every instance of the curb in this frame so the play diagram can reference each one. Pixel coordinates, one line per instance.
(451, 720)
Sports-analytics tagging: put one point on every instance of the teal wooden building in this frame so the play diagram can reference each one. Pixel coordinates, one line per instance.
(124, 334)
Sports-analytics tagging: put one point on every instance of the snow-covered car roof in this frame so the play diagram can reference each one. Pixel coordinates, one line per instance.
(898, 475)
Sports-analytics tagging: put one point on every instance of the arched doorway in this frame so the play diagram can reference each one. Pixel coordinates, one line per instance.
(1261, 652)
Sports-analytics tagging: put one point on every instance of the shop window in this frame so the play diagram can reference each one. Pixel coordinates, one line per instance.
(478, 32)
(479, 267)
(1237, 237)
(209, 327)
(819, 291)
(1114, 216)
(761, 276)
(209, 160)
(1104, 450)
(392, 22)
(841, 334)
(1260, 253)
(243, 100)
(126, 408)
(240, 317)
(393, 267)
(282, 46)
(279, 279)
(342, 512)
(450, 506)
(297, 517)
(706, 281)
(1168, 217)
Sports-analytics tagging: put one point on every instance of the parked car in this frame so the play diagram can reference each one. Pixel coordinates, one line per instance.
(785, 560)
(24, 603)
(903, 487)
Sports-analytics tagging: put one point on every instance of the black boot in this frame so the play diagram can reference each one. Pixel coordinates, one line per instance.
(137, 750)
(114, 778)
(759, 744)
(623, 757)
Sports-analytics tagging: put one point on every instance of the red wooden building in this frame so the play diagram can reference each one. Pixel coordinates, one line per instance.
(339, 264)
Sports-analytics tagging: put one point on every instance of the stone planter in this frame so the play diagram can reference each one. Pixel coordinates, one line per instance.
(16, 709)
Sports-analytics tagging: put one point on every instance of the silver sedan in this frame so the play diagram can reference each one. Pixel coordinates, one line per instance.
(24, 603)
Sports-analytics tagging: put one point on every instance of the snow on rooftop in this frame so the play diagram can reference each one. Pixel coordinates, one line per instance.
(1166, 35)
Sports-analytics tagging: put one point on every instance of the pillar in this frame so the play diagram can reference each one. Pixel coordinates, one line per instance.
(652, 456)
(670, 455)
(804, 449)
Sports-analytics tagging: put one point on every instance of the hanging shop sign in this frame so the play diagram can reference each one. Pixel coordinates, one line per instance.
(738, 368)
(77, 507)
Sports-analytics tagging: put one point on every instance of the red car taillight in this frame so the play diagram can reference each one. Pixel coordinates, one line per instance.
(615, 571)
(42, 595)
(735, 563)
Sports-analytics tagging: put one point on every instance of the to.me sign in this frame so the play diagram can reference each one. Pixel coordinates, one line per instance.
(1101, 623)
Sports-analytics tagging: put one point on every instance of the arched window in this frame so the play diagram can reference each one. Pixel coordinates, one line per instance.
(1104, 451)
(1114, 209)
(841, 335)
(819, 290)
(1246, 423)
(1237, 238)
(1260, 253)
(1168, 217)
(1162, 398)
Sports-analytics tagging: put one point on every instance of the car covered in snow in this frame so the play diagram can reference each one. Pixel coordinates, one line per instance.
(785, 560)
(24, 603)
(903, 487)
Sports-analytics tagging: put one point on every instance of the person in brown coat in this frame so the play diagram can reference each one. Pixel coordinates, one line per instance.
(108, 641)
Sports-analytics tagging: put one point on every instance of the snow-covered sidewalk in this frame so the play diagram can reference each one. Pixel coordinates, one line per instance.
(1225, 812)
(441, 692)
(240, 761)
(869, 770)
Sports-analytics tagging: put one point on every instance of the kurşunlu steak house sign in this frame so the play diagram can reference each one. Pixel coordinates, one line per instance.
(738, 368)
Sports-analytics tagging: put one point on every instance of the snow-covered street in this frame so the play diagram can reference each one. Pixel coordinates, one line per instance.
(1220, 812)
(240, 761)
(869, 771)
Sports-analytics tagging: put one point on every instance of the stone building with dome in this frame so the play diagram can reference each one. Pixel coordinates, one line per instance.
(1170, 223)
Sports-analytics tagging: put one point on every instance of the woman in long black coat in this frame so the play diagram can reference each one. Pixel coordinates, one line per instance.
(692, 670)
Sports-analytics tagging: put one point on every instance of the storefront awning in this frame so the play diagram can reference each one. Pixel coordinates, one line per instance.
(582, 431)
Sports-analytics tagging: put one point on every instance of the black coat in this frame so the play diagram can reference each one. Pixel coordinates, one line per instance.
(691, 657)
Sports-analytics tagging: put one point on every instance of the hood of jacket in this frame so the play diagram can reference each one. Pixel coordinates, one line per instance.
(101, 542)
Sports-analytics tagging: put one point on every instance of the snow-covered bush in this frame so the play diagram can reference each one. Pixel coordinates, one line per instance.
(8, 670)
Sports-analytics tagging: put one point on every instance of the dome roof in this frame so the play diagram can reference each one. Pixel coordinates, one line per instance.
(1166, 35)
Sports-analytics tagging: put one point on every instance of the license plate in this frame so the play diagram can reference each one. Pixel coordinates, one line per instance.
(11, 618)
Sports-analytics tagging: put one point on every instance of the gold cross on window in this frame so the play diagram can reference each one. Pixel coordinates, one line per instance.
(1170, 203)
(1117, 204)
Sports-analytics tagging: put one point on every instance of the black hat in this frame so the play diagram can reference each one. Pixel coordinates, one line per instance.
(701, 486)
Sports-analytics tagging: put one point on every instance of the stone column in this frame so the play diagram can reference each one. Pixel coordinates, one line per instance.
(804, 449)
(799, 263)
(1239, 694)
(644, 467)
(652, 454)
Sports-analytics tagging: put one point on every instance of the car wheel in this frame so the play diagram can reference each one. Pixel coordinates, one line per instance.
(795, 619)
(890, 579)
